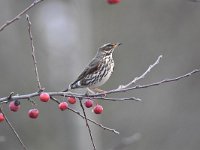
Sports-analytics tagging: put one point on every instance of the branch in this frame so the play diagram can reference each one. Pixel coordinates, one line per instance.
(119, 99)
(98, 124)
(92, 121)
(86, 121)
(7, 23)
(13, 129)
(33, 52)
(142, 76)
(84, 117)
(10, 96)
(155, 83)
(98, 95)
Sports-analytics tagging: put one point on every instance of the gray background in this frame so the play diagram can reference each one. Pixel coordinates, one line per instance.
(67, 34)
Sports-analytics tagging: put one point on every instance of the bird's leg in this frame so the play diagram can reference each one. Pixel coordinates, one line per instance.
(100, 91)
(96, 90)
(89, 90)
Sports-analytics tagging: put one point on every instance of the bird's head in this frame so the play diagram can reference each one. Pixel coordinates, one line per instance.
(108, 48)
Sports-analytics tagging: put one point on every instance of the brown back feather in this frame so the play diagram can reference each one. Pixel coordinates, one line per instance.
(93, 66)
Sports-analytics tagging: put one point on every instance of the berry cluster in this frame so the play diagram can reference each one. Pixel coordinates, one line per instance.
(44, 97)
(98, 109)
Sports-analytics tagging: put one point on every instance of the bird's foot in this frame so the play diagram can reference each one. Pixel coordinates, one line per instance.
(97, 91)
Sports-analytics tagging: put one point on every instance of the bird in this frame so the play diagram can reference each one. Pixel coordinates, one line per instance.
(98, 71)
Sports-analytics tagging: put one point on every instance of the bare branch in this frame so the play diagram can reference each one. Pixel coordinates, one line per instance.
(13, 129)
(98, 124)
(86, 121)
(99, 96)
(33, 52)
(7, 23)
(18, 97)
(11, 94)
(142, 76)
(155, 83)
(92, 121)
(120, 99)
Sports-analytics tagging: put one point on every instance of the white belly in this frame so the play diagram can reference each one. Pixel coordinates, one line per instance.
(103, 80)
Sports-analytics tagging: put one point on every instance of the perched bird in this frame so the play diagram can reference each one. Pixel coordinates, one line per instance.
(98, 71)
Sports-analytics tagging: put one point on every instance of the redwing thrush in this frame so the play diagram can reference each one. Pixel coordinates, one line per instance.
(98, 71)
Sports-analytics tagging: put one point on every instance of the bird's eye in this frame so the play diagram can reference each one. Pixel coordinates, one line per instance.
(109, 47)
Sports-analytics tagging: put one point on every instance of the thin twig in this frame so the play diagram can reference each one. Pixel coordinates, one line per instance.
(119, 99)
(142, 76)
(33, 52)
(155, 83)
(92, 121)
(98, 124)
(27, 96)
(7, 23)
(86, 121)
(11, 94)
(13, 129)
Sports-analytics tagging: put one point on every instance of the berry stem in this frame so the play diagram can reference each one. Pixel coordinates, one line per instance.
(86, 121)
(82, 116)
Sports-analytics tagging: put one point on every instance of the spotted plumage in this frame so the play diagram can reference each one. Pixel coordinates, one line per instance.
(99, 69)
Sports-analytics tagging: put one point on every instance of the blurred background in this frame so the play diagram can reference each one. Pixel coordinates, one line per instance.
(67, 34)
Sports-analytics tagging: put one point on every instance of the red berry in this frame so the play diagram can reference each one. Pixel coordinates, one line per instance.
(88, 103)
(44, 97)
(98, 109)
(113, 1)
(14, 106)
(33, 113)
(71, 100)
(63, 106)
(1, 117)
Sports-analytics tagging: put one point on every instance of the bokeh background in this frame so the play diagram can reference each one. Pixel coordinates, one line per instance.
(67, 34)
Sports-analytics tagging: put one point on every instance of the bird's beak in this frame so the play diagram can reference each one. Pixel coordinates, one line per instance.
(117, 44)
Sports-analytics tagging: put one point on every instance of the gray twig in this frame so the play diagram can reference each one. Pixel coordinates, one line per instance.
(119, 99)
(86, 121)
(33, 52)
(11, 94)
(7, 23)
(98, 124)
(155, 83)
(99, 96)
(13, 129)
(142, 76)
(82, 116)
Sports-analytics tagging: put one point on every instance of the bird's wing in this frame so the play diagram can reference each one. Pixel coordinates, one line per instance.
(90, 69)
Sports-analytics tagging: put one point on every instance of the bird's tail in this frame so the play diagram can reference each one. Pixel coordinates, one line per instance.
(66, 89)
